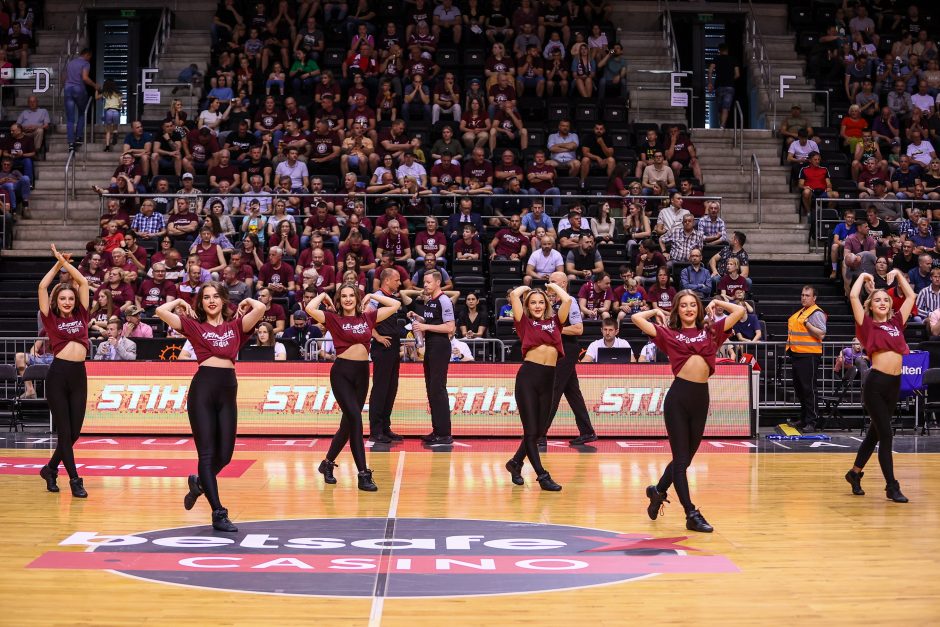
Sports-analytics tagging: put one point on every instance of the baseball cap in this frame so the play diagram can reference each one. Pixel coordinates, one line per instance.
(300, 315)
(187, 175)
(134, 311)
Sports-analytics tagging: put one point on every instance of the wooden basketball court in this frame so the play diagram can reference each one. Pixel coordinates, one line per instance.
(791, 543)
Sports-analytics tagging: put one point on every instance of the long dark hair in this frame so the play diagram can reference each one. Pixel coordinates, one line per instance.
(675, 323)
(54, 298)
(222, 291)
(356, 291)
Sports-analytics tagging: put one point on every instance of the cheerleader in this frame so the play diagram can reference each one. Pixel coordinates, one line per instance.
(539, 330)
(64, 315)
(880, 329)
(691, 344)
(216, 335)
(351, 329)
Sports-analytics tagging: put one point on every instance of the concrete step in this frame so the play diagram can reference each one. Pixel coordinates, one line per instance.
(73, 245)
(48, 231)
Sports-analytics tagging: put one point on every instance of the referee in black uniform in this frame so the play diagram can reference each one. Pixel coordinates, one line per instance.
(386, 362)
(438, 313)
(566, 376)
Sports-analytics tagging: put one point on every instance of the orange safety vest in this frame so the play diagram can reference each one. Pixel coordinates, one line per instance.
(799, 339)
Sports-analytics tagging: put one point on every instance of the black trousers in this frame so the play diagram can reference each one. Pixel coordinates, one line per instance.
(880, 394)
(805, 382)
(436, 363)
(66, 392)
(386, 363)
(533, 400)
(685, 411)
(212, 405)
(567, 385)
(350, 382)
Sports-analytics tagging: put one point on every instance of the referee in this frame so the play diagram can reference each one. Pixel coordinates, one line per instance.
(386, 362)
(438, 313)
(566, 377)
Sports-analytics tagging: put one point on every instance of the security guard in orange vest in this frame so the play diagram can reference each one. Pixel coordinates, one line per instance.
(805, 331)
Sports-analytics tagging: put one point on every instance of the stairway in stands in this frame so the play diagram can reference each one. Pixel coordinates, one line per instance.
(190, 36)
(639, 29)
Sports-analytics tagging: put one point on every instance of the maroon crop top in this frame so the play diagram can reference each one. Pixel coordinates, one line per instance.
(223, 341)
(533, 333)
(62, 330)
(879, 337)
(680, 345)
(347, 331)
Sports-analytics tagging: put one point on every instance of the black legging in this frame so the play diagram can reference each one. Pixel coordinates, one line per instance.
(685, 411)
(880, 398)
(436, 361)
(66, 392)
(386, 364)
(350, 382)
(534, 384)
(213, 415)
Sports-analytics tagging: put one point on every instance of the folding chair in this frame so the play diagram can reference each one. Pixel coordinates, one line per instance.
(35, 374)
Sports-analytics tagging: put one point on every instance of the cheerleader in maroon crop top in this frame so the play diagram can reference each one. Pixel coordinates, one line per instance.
(691, 344)
(216, 334)
(64, 316)
(351, 330)
(880, 329)
(539, 331)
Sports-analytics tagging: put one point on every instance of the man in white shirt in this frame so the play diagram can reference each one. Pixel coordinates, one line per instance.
(671, 214)
(410, 167)
(543, 262)
(459, 351)
(609, 329)
(920, 150)
(922, 100)
(799, 151)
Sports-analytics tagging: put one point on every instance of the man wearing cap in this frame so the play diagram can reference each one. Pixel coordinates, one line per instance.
(134, 327)
(300, 330)
(798, 152)
(410, 167)
(880, 199)
(795, 123)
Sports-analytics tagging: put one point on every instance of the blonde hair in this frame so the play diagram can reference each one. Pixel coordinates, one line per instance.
(868, 303)
(548, 313)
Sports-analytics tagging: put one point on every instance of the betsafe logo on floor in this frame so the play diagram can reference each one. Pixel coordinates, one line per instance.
(403, 557)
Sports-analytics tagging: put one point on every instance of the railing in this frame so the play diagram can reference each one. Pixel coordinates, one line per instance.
(759, 57)
(485, 350)
(669, 36)
(638, 88)
(69, 185)
(824, 226)
(73, 46)
(448, 202)
(737, 132)
(161, 38)
(88, 129)
(755, 170)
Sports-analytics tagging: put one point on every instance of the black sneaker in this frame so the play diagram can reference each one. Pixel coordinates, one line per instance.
(380, 438)
(326, 469)
(394, 437)
(440, 439)
(694, 521)
(515, 471)
(855, 480)
(49, 474)
(583, 439)
(220, 521)
(547, 483)
(543, 442)
(78, 488)
(809, 427)
(656, 508)
(428, 437)
(365, 481)
(893, 492)
(195, 491)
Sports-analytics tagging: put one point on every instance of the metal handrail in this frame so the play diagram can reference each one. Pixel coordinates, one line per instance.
(161, 38)
(759, 56)
(755, 168)
(69, 185)
(692, 96)
(737, 132)
(72, 47)
(669, 36)
(498, 352)
(88, 130)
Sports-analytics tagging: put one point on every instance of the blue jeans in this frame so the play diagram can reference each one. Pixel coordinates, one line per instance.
(21, 188)
(26, 163)
(725, 97)
(75, 100)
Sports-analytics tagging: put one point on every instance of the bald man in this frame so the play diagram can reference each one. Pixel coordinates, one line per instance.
(566, 377)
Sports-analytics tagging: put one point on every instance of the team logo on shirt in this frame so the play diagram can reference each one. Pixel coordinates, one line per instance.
(71, 328)
(355, 329)
(685, 339)
(217, 340)
(337, 557)
(890, 329)
(548, 327)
